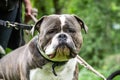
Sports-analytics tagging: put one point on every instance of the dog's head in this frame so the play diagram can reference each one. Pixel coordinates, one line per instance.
(60, 36)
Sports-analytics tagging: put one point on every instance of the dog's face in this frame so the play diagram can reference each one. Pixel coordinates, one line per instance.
(60, 36)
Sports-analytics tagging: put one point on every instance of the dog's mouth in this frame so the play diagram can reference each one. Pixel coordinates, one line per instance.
(63, 50)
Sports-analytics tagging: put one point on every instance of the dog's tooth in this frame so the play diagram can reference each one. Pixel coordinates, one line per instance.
(51, 55)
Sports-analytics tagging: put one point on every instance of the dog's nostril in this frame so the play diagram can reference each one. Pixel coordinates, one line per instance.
(62, 37)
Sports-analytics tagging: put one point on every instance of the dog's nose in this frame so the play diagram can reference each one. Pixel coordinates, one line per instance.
(62, 38)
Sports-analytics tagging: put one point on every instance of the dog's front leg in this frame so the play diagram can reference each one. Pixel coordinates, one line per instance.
(24, 72)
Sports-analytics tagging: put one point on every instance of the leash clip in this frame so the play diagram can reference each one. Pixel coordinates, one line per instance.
(8, 24)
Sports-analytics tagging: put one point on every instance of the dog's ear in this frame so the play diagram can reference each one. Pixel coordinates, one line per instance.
(83, 26)
(37, 25)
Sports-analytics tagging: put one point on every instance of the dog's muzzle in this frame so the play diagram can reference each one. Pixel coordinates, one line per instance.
(65, 47)
(61, 48)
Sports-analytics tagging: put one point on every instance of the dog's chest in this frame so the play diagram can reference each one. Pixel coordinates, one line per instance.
(64, 72)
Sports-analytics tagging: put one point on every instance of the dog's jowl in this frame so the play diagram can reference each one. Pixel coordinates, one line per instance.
(48, 56)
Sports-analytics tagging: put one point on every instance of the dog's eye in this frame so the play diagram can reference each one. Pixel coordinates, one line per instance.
(52, 31)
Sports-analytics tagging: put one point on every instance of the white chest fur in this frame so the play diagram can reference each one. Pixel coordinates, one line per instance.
(64, 72)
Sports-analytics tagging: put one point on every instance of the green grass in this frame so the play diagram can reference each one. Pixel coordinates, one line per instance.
(110, 64)
(85, 74)
(88, 75)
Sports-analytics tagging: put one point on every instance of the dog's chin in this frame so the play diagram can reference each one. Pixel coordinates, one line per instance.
(65, 51)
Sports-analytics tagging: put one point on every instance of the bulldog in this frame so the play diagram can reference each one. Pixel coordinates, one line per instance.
(50, 55)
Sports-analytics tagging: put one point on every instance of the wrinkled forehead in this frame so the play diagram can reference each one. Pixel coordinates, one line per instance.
(60, 20)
